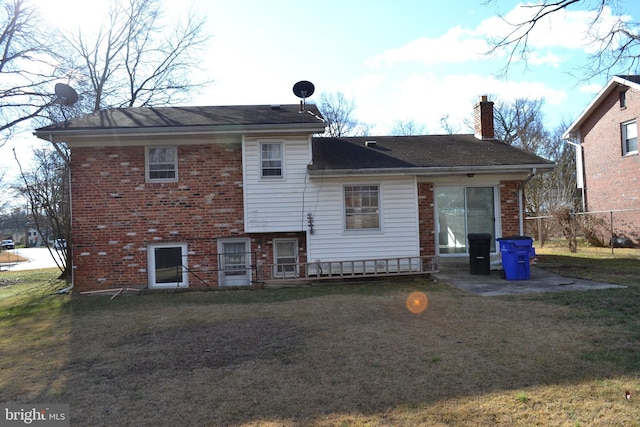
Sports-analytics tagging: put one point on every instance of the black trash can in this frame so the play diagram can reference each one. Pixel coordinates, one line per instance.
(479, 253)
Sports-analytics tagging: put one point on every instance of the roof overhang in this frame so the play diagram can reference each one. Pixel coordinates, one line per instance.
(67, 135)
(437, 171)
(573, 131)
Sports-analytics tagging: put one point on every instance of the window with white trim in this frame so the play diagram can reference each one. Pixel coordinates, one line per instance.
(629, 137)
(271, 159)
(361, 207)
(162, 164)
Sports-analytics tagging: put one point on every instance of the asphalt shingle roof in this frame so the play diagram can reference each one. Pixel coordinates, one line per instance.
(416, 152)
(172, 117)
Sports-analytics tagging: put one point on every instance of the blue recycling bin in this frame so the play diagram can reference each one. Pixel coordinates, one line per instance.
(516, 252)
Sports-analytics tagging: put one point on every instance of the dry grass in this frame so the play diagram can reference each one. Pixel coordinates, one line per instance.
(6, 257)
(329, 356)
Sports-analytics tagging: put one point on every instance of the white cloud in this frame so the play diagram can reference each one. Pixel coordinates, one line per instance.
(570, 29)
(456, 46)
(564, 29)
(426, 98)
(591, 89)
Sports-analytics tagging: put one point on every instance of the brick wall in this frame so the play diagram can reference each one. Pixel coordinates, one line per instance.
(262, 245)
(612, 180)
(116, 214)
(509, 208)
(426, 219)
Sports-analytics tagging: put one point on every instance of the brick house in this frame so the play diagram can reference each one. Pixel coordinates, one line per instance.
(239, 195)
(608, 165)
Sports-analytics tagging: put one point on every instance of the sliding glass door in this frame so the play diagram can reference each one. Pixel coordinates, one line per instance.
(463, 210)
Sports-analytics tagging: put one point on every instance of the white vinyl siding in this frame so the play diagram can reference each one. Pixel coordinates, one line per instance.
(396, 237)
(276, 205)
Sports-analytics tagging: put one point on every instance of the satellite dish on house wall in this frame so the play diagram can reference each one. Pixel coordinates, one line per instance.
(303, 89)
(66, 94)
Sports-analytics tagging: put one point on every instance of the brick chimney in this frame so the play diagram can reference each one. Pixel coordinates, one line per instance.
(483, 119)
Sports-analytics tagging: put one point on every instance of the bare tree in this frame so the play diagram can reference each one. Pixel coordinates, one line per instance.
(520, 124)
(407, 128)
(27, 67)
(45, 187)
(133, 60)
(338, 111)
(614, 42)
(445, 123)
(554, 194)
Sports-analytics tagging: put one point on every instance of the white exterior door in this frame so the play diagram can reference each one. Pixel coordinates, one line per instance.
(286, 258)
(234, 262)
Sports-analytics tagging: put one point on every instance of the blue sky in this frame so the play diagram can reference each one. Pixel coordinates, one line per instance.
(396, 59)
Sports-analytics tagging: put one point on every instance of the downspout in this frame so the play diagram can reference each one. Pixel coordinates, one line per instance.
(579, 170)
(520, 202)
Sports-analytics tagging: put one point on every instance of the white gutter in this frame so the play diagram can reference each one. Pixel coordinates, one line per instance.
(61, 134)
(431, 171)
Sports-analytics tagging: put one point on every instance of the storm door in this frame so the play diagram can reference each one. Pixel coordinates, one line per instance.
(234, 262)
(285, 254)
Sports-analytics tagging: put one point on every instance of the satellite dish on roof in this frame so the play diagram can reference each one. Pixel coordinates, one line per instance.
(66, 94)
(303, 89)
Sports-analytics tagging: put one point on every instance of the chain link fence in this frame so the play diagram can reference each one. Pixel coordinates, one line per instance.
(603, 229)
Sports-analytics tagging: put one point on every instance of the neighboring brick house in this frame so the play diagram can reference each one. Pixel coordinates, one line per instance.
(230, 196)
(608, 162)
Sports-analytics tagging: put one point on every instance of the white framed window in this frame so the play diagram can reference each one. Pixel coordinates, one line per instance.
(629, 137)
(162, 164)
(167, 265)
(271, 160)
(285, 255)
(361, 207)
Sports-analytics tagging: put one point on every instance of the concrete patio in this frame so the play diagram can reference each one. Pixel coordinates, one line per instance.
(540, 280)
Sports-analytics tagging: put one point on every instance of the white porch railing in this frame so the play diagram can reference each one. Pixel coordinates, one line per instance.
(321, 270)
